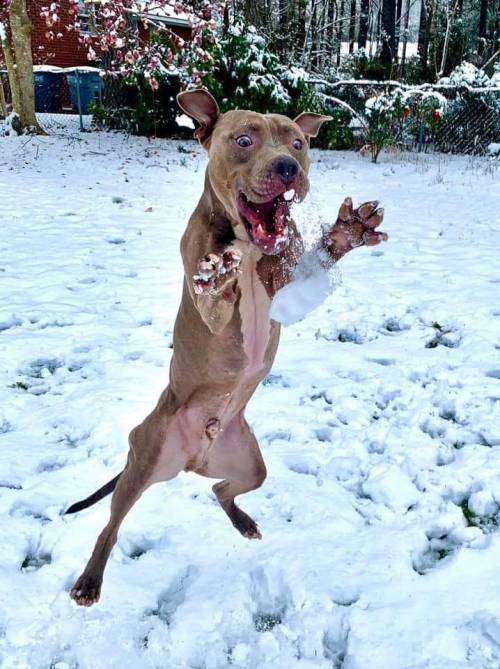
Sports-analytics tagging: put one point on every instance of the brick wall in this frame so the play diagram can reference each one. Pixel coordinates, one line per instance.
(62, 51)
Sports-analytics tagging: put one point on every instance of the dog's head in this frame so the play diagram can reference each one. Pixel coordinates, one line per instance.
(258, 165)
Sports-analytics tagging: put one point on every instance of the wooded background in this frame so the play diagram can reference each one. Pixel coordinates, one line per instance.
(316, 33)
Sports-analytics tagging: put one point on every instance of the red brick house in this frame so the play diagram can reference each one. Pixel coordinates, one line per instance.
(64, 50)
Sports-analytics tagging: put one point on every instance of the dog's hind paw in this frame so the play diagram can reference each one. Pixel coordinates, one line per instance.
(86, 590)
(245, 525)
(215, 272)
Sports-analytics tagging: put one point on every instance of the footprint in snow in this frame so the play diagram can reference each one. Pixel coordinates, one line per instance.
(171, 598)
(271, 598)
(11, 322)
(35, 561)
(385, 362)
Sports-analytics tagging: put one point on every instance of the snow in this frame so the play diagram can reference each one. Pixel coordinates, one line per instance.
(310, 287)
(48, 68)
(84, 68)
(184, 121)
(379, 425)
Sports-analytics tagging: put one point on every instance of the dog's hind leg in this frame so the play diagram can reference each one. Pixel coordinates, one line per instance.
(138, 475)
(235, 456)
(129, 488)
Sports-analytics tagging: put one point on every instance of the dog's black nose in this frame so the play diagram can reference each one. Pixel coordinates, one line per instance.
(287, 169)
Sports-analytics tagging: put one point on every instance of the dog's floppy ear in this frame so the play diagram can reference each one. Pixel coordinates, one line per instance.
(310, 123)
(200, 105)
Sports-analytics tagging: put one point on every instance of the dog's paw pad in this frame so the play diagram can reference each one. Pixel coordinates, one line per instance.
(231, 260)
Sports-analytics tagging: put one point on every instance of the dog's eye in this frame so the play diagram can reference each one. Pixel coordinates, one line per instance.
(244, 141)
(297, 144)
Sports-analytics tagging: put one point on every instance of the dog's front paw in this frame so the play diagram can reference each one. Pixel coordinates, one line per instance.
(217, 272)
(355, 227)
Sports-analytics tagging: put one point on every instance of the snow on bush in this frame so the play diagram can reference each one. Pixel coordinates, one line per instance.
(467, 74)
(397, 114)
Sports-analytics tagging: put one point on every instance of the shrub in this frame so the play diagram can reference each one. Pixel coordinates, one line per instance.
(384, 114)
(240, 72)
(400, 116)
(360, 65)
(133, 106)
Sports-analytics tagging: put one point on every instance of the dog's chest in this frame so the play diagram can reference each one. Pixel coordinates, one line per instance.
(254, 306)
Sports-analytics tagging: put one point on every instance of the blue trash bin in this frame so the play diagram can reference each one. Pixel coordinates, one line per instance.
(48, 91)
(89, 83)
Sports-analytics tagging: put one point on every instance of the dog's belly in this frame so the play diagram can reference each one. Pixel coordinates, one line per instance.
(213, 379)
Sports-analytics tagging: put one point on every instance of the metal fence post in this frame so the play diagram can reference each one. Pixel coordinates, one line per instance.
(420, 137)
(79, 100)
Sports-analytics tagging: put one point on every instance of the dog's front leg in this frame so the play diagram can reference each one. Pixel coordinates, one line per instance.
(214, 287)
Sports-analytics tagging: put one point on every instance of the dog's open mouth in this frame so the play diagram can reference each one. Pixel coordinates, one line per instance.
(267, 222)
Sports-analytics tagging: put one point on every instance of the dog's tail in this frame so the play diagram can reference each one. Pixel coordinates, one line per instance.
(95, 496)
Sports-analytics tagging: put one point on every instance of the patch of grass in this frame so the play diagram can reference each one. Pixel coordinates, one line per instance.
(469, 515)
(20, 385)
(484, 523)
(265, 622)
(441, 553)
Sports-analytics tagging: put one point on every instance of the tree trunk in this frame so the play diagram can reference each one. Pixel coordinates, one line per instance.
(332, 17)
(3, 101)
(352, 26)
(339, 33)
(399, 9)
(364, 18)
(423, 37)
(405, 36)
(388, 54)
(16, 46)
(483, 22)
(449, 19)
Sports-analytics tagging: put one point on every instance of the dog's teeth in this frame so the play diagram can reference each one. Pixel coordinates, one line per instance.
(260, 229)
(289, 195)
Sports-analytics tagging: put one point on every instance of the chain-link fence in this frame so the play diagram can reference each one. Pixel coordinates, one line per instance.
(64, 98)
(469, 123)
(67, 98)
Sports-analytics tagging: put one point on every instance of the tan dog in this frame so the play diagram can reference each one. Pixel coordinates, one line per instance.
(239, 249)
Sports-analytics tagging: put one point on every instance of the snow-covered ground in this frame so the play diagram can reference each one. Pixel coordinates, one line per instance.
(380, 425)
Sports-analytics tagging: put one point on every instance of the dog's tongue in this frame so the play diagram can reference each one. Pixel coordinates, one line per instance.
(269, 217)
(271, 232)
